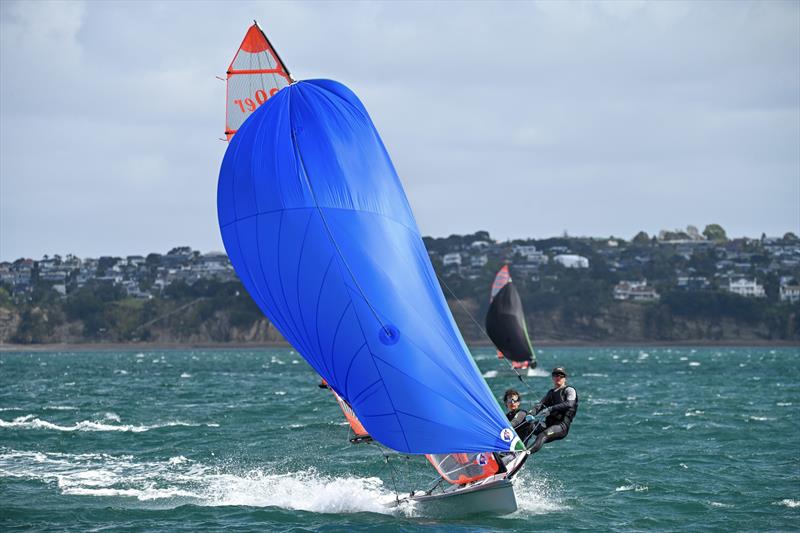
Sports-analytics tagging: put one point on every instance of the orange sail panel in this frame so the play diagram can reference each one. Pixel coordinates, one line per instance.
(460, 468)
(254, 76)
(361, 434)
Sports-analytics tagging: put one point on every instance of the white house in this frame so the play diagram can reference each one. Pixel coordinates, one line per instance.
(637, 291)
(790, 293)
(479, 260)
(453, 259)
(572, 261)
(745, 287)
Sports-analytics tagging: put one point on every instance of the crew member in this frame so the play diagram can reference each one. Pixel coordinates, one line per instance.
(515, 415)
(558, 407)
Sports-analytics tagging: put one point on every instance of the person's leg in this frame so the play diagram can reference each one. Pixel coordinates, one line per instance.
(550, 434)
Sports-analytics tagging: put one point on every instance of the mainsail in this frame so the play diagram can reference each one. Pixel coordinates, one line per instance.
(255, 74)
(319, 230)
(505, 322)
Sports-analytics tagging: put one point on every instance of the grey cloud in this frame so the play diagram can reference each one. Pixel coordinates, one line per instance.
(521, 118)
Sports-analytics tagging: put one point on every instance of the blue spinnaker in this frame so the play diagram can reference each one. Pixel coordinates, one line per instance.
(319, 230)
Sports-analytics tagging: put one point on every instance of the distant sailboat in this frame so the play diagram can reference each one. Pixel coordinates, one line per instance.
(506, 324)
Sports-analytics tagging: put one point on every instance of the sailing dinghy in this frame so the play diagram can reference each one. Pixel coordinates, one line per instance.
(317, 226)
(506, 324)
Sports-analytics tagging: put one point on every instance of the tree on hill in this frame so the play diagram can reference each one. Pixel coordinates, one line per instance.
(641, 238)
(714, 232)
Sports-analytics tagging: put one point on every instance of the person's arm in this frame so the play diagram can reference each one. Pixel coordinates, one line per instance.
(539, 406)
(572, 397)
(519, 418)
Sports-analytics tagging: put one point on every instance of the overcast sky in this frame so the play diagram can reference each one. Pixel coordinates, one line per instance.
(523, 119)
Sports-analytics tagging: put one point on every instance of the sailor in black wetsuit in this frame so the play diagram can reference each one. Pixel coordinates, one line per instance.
(515, 415)
(559, 406)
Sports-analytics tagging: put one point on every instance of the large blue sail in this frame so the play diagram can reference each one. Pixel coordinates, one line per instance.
(319, 230)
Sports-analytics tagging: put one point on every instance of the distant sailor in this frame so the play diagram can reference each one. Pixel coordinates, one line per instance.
(516, 415)
(558, 407)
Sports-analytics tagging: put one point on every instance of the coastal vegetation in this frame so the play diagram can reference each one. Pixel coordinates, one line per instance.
(677, 286)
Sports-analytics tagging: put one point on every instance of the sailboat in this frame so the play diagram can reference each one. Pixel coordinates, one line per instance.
(506, 324)
(317, 226)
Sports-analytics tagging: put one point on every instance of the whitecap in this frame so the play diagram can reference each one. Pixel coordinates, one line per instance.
(695, 412)
(279, 393)
(186, 375)
(791, 504)
(32, 422)
(719, 504)
(684, 359)
(760, 418)
(490, 374)
(783, 404)
(632, 487)
(538, 373)
(594, 375)
(694, 363)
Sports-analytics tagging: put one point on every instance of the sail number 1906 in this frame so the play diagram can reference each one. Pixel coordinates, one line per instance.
(251, 104)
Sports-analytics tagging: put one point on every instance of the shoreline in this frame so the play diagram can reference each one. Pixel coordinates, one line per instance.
(574, 343)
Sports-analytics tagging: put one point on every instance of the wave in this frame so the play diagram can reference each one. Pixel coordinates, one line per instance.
(33, 422)
(538, 372)
(791, 504)
(179, 481)
(636, 487)
(490, 374)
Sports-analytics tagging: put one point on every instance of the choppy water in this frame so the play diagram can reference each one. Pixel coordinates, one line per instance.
(676, 439)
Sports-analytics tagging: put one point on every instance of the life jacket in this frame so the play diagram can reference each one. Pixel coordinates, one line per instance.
(555, 397)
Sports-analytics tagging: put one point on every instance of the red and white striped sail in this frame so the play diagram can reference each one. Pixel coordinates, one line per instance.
(255, 74)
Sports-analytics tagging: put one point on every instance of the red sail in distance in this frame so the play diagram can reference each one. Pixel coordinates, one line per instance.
(255, 74)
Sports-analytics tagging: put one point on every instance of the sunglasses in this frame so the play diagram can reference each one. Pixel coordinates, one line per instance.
(559, 375)
(512, 400)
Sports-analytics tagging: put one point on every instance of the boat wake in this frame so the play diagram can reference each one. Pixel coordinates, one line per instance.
(536, 496)
(180, 481)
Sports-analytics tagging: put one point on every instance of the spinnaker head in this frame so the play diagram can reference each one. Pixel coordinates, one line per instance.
(319, 230)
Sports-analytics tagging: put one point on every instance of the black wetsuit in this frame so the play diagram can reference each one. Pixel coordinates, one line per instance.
(563, 404)
(518, 422)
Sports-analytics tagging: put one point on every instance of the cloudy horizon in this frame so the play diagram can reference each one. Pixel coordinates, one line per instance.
(521, 119)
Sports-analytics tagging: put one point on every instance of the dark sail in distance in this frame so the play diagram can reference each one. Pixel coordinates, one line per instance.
(505, 322)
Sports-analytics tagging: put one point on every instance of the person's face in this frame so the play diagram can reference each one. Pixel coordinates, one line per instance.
(512, 402)
(559, 380)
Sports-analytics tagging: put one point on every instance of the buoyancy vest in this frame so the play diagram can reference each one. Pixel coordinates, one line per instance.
(555, 397)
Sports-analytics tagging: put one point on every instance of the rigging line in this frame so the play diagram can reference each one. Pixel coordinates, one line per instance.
(391, 470)
(330, 236)
(480, 327)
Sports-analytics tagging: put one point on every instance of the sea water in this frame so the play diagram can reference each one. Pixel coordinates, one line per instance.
(672, 439)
